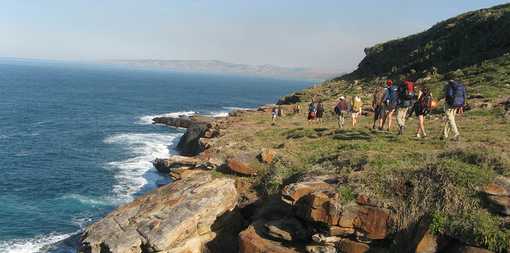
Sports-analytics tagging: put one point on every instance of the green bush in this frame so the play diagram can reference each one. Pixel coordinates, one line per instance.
(475, 227)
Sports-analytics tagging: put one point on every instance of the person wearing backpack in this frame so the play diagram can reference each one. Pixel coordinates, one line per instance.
(390, 102)
(406, 99)
(357, 107)
(455, 95)
(274, 114)
(378, 107)
(320, 111)
(312, 110)
(422, 108)
(340, 109)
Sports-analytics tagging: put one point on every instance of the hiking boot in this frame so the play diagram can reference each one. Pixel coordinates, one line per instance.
(418, 135)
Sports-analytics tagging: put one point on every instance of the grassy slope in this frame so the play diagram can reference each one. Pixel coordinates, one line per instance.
(414, 177)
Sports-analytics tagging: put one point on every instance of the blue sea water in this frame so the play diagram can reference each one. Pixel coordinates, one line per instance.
(76, 139)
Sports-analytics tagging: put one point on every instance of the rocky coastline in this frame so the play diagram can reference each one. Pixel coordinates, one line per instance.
(212, 207)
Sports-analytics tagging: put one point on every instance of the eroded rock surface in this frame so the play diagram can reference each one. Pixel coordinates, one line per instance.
(498, 195)
(174, 218)
(176, 162)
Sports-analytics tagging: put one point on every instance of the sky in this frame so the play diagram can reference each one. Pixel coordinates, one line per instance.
(322, 34)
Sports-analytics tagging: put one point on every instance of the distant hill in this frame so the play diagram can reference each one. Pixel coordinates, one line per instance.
(462, 41)
(214, 66)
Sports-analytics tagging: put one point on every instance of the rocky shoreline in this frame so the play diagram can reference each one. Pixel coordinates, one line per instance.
(211, 207)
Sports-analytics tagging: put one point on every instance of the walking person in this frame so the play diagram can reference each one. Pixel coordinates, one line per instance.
(390, 103)
(406, 97)
(357, 107)
(378, 107)
(319, 111)
(312, 109)
(274, 114)
(340, 109)
(280, 111)
(455, 95)
(422, 108)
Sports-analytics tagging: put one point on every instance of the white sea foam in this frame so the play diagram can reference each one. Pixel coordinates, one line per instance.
(233, 108)
(131, 174)
(147, 120)
(218, 114)
(33, 245)
(226, 110)
(93, 201)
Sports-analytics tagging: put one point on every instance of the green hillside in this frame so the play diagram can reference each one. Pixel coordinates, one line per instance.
(465, 40)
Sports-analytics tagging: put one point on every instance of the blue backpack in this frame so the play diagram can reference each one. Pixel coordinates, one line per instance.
(456, 94)
(391, 97)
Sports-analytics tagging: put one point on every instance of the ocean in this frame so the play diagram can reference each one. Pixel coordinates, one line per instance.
(76, 140)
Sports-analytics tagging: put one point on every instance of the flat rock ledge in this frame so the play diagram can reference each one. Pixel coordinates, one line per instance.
(175, 218)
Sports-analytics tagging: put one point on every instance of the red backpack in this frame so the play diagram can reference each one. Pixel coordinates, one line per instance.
(409, 92)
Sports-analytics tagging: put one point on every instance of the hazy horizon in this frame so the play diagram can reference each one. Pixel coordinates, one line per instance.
(322, 34)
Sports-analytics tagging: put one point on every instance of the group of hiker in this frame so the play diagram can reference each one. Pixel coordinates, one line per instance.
(404, 100)
(315, 111)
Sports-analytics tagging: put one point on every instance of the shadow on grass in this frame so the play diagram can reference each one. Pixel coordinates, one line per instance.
(351, 135)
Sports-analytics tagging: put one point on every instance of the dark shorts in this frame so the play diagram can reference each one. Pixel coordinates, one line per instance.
(390, 108)
(420, 111)
(319, 114)
(379, 112)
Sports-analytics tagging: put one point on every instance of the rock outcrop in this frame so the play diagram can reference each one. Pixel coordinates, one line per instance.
(267, 155)
(181, 162)
(346, 225)
(498, 195)
(251, 240)
(189, 144)
(288, 100)
(180, 217)
(240, 164)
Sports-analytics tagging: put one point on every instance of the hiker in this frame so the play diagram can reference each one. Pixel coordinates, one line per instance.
(312, 109)
(357, 107)
(319, 111)
(274, 114)
(390, 102)
(406, 97)
(455, 95)
(421, 109)
(378, 107)
(341, 108)
(297, 109)
(279, 112)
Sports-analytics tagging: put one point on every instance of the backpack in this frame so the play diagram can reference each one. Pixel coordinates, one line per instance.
(425, 102)
(407, 93)
(340, 107)
(456, 94)
(391, 95)
(320, 107)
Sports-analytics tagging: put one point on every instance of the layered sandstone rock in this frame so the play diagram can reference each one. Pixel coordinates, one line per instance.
(176, 162)
(498, 195)
(241, 165)
(316, 200)
(174, 218)
(251, 240)
(189, 144)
